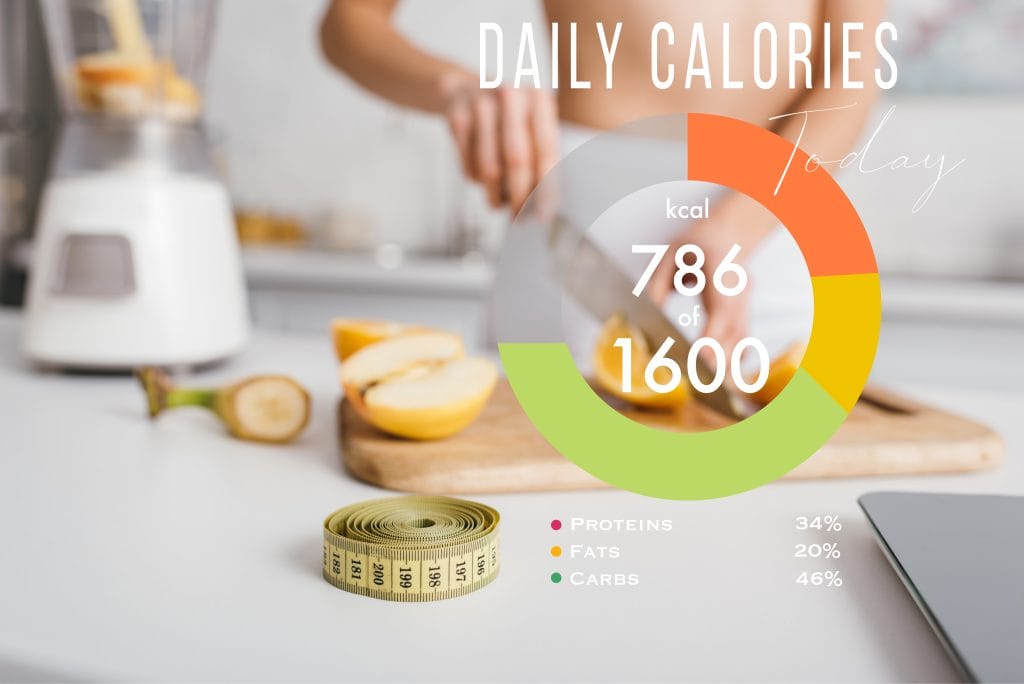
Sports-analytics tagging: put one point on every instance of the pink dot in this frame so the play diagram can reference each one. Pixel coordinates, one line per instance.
(556, 524)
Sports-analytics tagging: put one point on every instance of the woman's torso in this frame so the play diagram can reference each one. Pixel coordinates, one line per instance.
(634, 95)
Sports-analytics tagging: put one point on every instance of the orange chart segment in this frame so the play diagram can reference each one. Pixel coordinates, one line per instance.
(844, 335)
(811, 205)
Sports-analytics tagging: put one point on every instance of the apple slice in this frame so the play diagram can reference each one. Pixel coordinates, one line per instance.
(418, 386)
(434, 405)
(396, 356)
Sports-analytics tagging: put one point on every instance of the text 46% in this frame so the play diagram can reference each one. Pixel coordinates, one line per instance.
(823, 578)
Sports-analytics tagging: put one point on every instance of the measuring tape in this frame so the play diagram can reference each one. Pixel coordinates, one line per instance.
(411, 548)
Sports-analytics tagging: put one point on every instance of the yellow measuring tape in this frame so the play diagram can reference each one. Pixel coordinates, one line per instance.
(411, 548)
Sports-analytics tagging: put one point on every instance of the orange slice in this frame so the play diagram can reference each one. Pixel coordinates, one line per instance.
(351, 335)
(780, 371)
(608, 367)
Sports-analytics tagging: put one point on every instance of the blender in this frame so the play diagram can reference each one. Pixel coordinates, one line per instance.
(135, 259)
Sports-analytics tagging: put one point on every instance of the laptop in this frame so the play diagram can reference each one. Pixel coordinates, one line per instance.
(961, 556)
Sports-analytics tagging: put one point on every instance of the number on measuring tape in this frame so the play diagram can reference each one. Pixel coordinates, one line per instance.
(481, 565)
(405, 577)
(434, 576)
(335, 563)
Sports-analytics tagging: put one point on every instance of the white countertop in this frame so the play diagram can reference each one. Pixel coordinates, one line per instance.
(168, 550)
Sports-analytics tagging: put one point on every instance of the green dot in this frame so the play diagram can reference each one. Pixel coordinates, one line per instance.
(556, 577)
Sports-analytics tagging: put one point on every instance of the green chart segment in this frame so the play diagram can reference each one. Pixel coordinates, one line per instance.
(700, 465)
(776, 439)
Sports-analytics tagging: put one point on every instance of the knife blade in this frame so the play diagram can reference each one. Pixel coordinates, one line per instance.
(597, 283)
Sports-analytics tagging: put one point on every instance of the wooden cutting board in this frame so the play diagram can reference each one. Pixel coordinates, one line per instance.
(885, 434)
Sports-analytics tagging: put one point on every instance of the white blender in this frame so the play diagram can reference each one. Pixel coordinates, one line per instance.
(136, 258)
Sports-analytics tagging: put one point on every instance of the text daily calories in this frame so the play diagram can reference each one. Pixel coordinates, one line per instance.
(769, 65)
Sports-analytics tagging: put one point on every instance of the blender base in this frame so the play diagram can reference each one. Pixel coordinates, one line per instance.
(133, 267)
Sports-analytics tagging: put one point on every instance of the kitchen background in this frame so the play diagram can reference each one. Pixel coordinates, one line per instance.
(367, 208)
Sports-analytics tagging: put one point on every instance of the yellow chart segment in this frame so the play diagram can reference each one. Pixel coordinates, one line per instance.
(844, 334)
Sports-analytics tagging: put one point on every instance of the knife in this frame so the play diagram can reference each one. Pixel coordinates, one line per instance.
(597, 283)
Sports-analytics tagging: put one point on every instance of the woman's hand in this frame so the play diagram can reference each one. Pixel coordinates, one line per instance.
(507, 138)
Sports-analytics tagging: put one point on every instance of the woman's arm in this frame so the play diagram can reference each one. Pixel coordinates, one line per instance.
(507, 138)
(358, 37)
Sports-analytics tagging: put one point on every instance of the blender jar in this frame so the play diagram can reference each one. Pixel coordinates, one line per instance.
(130, 58)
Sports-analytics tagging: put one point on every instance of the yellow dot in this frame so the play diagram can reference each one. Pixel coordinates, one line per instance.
(556, 551)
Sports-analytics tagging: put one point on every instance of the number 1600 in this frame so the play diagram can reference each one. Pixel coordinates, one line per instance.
(660, 360)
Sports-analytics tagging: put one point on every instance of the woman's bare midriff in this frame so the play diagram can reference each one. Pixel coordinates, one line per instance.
(634, 95)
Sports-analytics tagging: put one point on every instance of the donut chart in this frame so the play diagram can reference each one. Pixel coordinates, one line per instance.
(834, 370)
